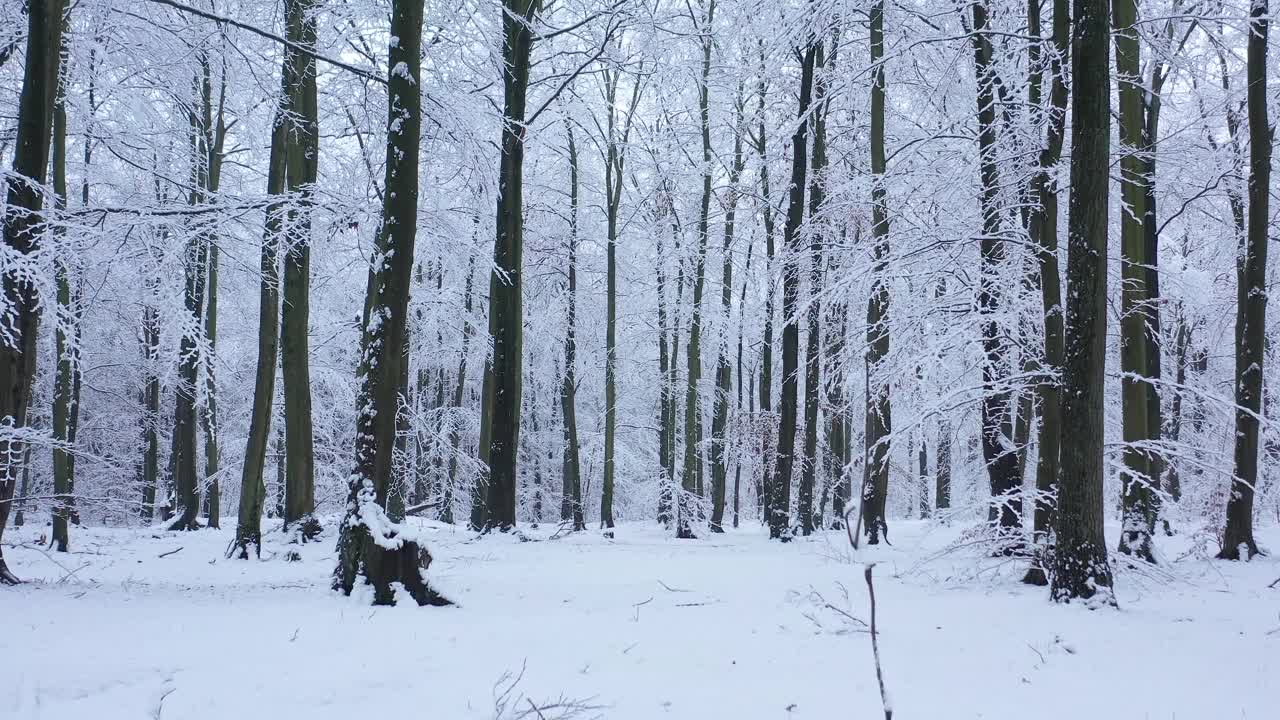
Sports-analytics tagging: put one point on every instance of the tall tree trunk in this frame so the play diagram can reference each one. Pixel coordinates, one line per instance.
(1237, 535)
(666, 364)
(942, 500)
(18, 517)
(65, 320)
(252, 484)
(1156, 428)
(767, 435)
(373, 550)
(691, 474)
(301, 159)
(23, 202)
(1081, 569)
(1137, 493)
(878, 423)
(813, 344)
(571, 479)
(1181, 344)
(615, 162)
(838, 421)
(738, 419)
(504, 377)
(213, 495)
(1043, 230)
(150, 402)
(997, 411)
(185, 416)
(455, 437)
(724, 371)
(780, 490)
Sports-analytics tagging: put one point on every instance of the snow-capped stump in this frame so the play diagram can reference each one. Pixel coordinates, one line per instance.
(381, 553)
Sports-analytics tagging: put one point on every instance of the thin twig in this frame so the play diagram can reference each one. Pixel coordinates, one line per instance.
(169, 553)
(638, 605)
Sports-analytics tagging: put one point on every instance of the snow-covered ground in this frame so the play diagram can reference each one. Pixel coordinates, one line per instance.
(148, 624)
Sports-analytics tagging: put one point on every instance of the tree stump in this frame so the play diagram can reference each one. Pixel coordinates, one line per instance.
(381, 558)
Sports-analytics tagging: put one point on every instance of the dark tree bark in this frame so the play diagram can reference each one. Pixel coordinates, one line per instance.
(997, 404)
(1181, 345)
(1081, 569)
(372, 549)
(839, 423)
(767, 433)
(1137, 491)
(1044, 237)
(150, 402)
(571, 477)
(691, 474)
(459, 388)
(185, 416)
(878, 420)
(252, 484)
(614, 166)
(301, 160)
(780, 487)
(724, 370)
(1251, 294)
(504, 376)
(942, 500)
(65, 321)
(23, 205)
(739, 418)
(666, 369)
(209, 418)
(813, 335)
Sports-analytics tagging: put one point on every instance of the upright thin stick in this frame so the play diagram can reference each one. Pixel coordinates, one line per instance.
(875, 646)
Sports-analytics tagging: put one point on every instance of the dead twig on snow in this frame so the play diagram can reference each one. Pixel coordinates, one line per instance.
(875, 646)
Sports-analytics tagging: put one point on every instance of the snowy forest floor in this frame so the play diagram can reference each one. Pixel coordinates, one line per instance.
(146, 624)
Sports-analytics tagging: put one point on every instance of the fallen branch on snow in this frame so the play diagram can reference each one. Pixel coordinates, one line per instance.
(875, 646)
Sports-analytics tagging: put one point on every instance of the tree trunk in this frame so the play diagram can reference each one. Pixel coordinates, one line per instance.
(839, 451)
(571, 479)
(1081, 569)
(724, 371)
(504, 379)
(65, 320)
(615, 160)
(666, 365)
(372, 549)
(738, 416)
(455, 437)
(878, 420)
(942, 500)
(301, 159)
(213, 494)
(997, 411)
(1181, 343)
(780, 490)
(1237, 535)
(691, 474)
(186, 420)
(813, 345)
(252, 485)
(1044, 237)
(767, 433)
(1137, 499)
(21, 235)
